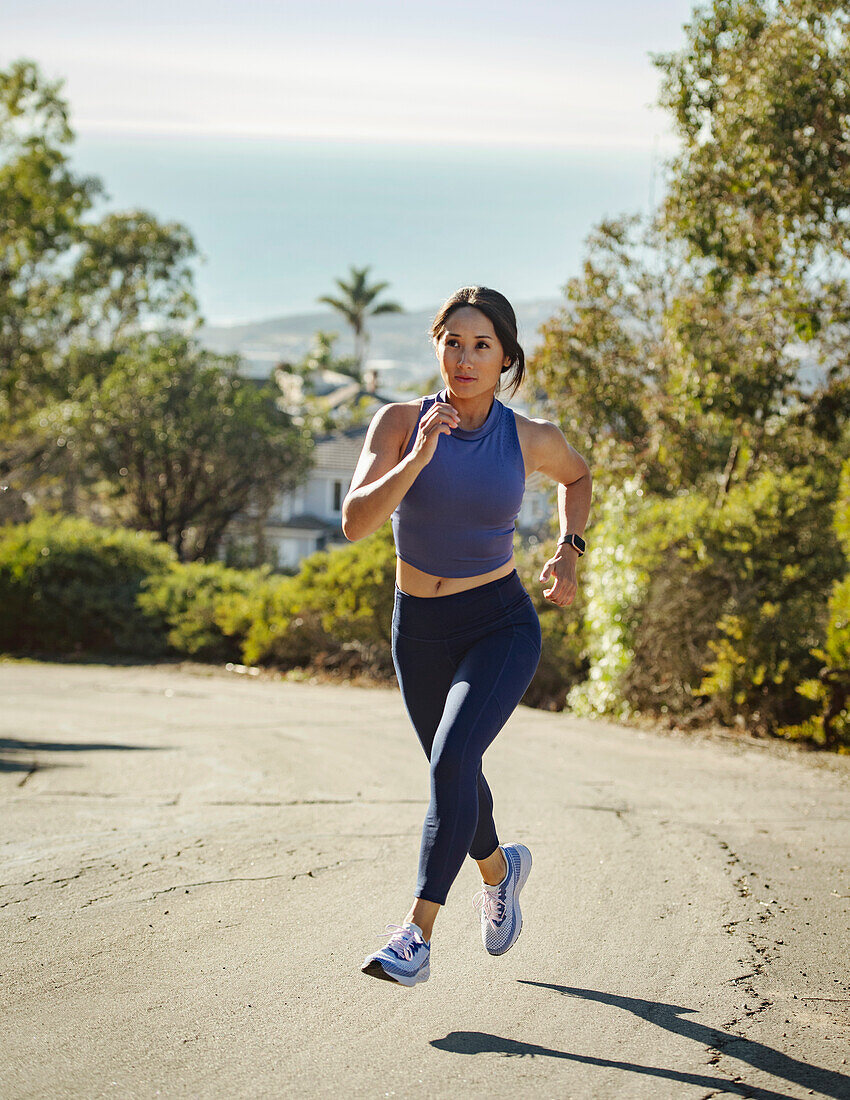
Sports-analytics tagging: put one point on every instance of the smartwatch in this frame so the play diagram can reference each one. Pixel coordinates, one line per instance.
(576, 541)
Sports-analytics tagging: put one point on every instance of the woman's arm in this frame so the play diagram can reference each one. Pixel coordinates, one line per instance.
(550, 453)
(382, 477)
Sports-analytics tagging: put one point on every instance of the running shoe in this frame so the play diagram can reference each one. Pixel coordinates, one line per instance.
(406, 959)
(501, 919)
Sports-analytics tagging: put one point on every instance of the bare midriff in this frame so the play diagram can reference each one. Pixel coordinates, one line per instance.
(416, 583)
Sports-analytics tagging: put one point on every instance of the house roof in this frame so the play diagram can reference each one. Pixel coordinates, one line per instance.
(307, 521)
(339, 449)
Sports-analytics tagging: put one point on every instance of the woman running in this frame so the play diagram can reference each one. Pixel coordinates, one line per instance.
(450, 469)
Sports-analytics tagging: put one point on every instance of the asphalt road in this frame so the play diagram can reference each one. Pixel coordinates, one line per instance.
(194, 863)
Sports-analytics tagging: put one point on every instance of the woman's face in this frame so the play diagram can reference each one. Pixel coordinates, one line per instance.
(469, 353)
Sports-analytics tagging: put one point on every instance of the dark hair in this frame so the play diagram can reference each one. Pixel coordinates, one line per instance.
(499, 310)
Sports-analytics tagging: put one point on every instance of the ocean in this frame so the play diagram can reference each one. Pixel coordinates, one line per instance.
(277, 220)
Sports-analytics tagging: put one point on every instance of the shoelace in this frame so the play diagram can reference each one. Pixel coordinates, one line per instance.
(488, 901)
(402, 940)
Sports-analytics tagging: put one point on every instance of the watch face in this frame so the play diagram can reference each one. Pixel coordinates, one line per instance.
(576, 541)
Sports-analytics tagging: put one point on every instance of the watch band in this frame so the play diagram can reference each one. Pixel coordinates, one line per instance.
(576, 541)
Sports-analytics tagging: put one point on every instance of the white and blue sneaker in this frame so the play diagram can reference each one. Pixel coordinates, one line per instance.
(501, 919)
(406, 959)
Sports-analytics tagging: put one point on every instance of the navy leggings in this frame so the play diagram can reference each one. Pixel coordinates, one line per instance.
(463, 663)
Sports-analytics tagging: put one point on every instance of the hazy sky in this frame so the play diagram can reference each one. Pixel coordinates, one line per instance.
(554, 72)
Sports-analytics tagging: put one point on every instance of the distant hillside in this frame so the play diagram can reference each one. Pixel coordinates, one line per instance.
(399, 341)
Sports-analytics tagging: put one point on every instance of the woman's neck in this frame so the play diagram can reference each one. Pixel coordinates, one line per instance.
(473, 411)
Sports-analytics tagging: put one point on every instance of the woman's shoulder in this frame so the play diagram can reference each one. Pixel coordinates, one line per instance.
(536, 438)
(398, 414)
(395, 422)
(534, 429)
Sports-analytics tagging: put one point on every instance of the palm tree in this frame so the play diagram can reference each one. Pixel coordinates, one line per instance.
(354, 305)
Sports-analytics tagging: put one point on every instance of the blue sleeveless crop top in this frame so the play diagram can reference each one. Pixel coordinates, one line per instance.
(458, 517)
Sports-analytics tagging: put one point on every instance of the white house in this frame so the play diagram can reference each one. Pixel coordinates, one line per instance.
(310, 517)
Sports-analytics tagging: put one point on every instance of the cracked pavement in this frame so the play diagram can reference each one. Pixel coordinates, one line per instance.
(193, 865)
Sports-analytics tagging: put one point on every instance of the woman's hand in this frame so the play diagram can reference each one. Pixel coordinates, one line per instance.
(561, 570)
(439, 420)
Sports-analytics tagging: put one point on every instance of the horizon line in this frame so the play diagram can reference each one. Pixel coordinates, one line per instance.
(659, 142)
(518, 302)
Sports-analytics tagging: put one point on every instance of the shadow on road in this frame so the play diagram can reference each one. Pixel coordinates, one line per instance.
(669, 1017)
(479, 1042)
(16, 753)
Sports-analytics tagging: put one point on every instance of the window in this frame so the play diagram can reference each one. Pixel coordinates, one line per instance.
(337, 496)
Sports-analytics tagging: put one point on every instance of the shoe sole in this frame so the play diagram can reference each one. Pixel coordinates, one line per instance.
(523, 879)
(375, 970)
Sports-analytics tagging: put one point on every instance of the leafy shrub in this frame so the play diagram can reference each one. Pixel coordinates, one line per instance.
(614, 580)
(69, 586)
(709, 610)
(271, 627)
(562, 662)
(186, 598)
(830, 689)
(335, 612)
(736, 599)
(353, 589)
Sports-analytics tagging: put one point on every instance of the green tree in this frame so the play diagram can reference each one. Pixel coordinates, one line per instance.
(131, 273)
(760, 98)
(42, 203)
(356, 304)
(299, 382)
(183, 443)
(760, 196)
(690, 345)
(72, 290)
(602, 362)
(655, 372)
(703, 358)
(322, 356)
